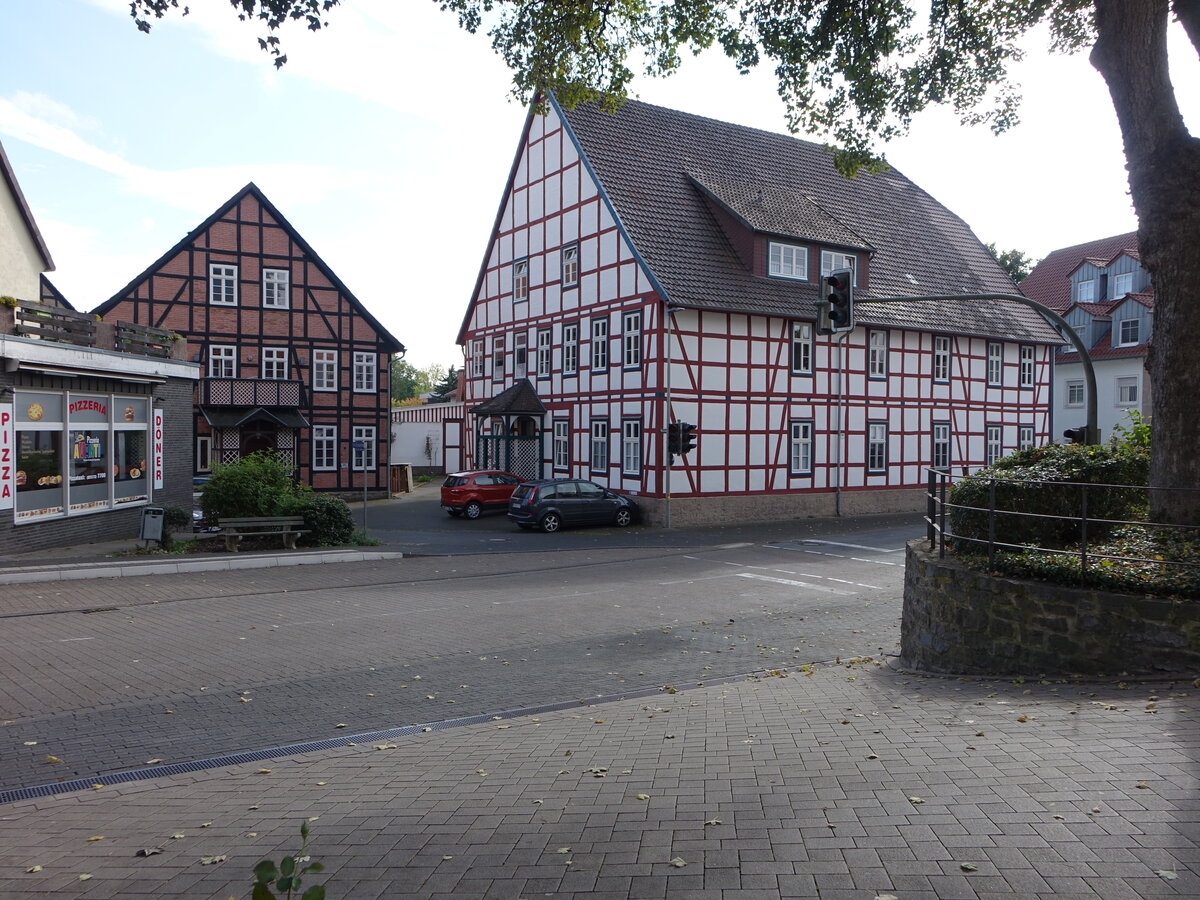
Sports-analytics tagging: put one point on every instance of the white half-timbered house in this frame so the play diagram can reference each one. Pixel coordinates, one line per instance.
(654, 266)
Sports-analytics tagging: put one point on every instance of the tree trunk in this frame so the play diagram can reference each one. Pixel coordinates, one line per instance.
(1163, 160)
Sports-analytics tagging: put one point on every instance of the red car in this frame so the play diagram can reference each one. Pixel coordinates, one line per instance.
(470, 493)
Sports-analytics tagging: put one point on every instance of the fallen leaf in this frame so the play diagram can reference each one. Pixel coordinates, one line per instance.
(313, 818)
(84, 877)
(678, 862)
(872, 756)
(148, 851)
(97, 787)
(539, 801)
(563, 850)
(264, 771)
(447, 857)
(53, 759)
(33, 870)
(340, 725)
(886, 897)
(480, 772)
(916, 800)
(969, 867)
(251, 834)
(206, 824)
(178, 836)
(1022, 718)
(643, 796)
(243, 699)
(211, 860)
(427, 728)
(1164, 873)
(713, 822)
(151, 762)
(96, 837)
(31, 743)
(1141, 785)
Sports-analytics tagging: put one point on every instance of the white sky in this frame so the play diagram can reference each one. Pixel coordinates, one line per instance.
(387, 138)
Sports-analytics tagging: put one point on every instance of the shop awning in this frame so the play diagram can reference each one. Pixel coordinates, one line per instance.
(237, 416)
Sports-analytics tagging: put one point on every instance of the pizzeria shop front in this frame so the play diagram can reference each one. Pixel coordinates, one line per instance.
(82, 450)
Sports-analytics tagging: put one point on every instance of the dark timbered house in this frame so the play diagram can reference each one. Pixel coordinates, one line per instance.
(290, 359)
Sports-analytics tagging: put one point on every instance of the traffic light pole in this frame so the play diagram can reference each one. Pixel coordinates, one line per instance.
(1089, 372)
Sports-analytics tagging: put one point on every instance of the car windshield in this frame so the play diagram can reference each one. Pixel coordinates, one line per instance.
(523, 490)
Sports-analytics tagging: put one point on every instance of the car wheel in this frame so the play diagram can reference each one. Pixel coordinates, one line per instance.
(473, 510)
(551, 522)
(624, 517)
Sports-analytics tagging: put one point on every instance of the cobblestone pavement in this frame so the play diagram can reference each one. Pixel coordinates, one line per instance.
(849, 781)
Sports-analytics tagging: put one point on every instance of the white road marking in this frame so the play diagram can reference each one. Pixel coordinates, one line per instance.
(877, 562)
(815, 587)
(854, 546)
(68, 640)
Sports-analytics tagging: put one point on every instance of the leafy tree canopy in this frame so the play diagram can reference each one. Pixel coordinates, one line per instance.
(1014, 262)
(446, 389)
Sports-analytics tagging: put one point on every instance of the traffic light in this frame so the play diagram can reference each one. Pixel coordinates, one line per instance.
(836, 308)
(1076, 435)
(687, 437)
(673, 438)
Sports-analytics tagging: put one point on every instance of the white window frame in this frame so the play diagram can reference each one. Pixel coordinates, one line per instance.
(570, 358)
(498, 358)
(941, 358)
(359, 458)
(802, 348)
(274, 366)
(995, 364)
(222, 284)
(877, 365)
(324, 448)
(562, 445)
(222, 361)
(631, 340)
(1024, 437)
(1129, 390)
(832, 260)
(276, 288)
(993, 443)
(800, 446)
(1075, 388)
(1123, 340)
(787, 261)
(570, 265)
(520, 274)
(1085, 296)
(1026, 368)
(364, 372)
(520, 355)
(598, 460)
(600, 340)
(631, 447)
(1127, 277)
(478, 359)
(545, 352)
(939, 457)
(204, 453)
(877, 447)
(325, 370)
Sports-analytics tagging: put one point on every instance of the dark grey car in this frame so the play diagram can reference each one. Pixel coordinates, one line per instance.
(550, 505)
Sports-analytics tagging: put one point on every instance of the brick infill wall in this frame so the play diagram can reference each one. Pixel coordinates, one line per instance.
(962, 622)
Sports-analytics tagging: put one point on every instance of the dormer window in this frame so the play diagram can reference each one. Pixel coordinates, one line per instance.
(1085, 291)
(831, 261)
(1129, 332)
(1122, 284)
(787, 261)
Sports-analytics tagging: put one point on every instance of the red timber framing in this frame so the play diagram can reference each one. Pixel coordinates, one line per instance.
(616, 349)
(290, 359)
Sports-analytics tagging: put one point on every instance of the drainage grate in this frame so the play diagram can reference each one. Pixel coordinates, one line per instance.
(249, 756)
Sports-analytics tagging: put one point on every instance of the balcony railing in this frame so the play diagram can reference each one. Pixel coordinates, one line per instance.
(250, 392)
(40, 321)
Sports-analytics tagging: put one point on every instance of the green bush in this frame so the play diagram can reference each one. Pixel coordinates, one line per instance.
(1020, 495)
(260, 484)
(327, 519)
(174, 519)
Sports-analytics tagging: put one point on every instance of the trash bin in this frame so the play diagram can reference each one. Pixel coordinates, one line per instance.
(152, 523)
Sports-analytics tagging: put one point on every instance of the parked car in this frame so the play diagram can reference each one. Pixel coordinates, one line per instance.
(550, 505)
(470, 493)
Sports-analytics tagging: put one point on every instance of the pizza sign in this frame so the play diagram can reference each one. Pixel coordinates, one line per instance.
(7, 456)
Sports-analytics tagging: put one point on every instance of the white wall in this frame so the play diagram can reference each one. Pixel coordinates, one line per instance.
(1108, 411)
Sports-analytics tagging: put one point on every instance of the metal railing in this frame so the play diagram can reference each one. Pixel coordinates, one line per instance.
(939, 510)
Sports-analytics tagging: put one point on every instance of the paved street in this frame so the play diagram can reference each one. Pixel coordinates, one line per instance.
(827, 774)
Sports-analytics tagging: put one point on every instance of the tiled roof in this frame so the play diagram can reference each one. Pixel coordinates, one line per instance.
(778, 211)
(1098, 309)
(646, 158)
(1049, 282)
(1104, 349)
(520, 398)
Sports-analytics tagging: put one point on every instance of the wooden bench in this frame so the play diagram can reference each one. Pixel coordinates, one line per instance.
(233, 530)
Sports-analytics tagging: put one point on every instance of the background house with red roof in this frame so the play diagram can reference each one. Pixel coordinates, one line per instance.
(1103, 292)
(650, 267)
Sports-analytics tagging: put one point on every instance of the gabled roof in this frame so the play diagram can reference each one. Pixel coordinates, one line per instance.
(1097, 309)
(656, 165)
(1049, 282)
(774, 210)
(52, 295)
(251, 189)
(14, 188)
(521, 398)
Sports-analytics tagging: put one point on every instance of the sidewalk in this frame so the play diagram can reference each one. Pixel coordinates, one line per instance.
(854, 781)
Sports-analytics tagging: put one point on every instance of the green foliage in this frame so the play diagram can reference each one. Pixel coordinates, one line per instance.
(446, 389)
(174, 519)
(1021, 496)
(286, 877)
(1014, 262)
(327, 519)
(1136, 434)
(259, 484)
(360, 538)
(10, 302)
(1161, 561)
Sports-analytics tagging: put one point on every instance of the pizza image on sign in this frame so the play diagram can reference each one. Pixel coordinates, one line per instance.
(35, 412)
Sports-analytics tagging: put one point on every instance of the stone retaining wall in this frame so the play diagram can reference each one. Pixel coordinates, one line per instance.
(959, 621)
